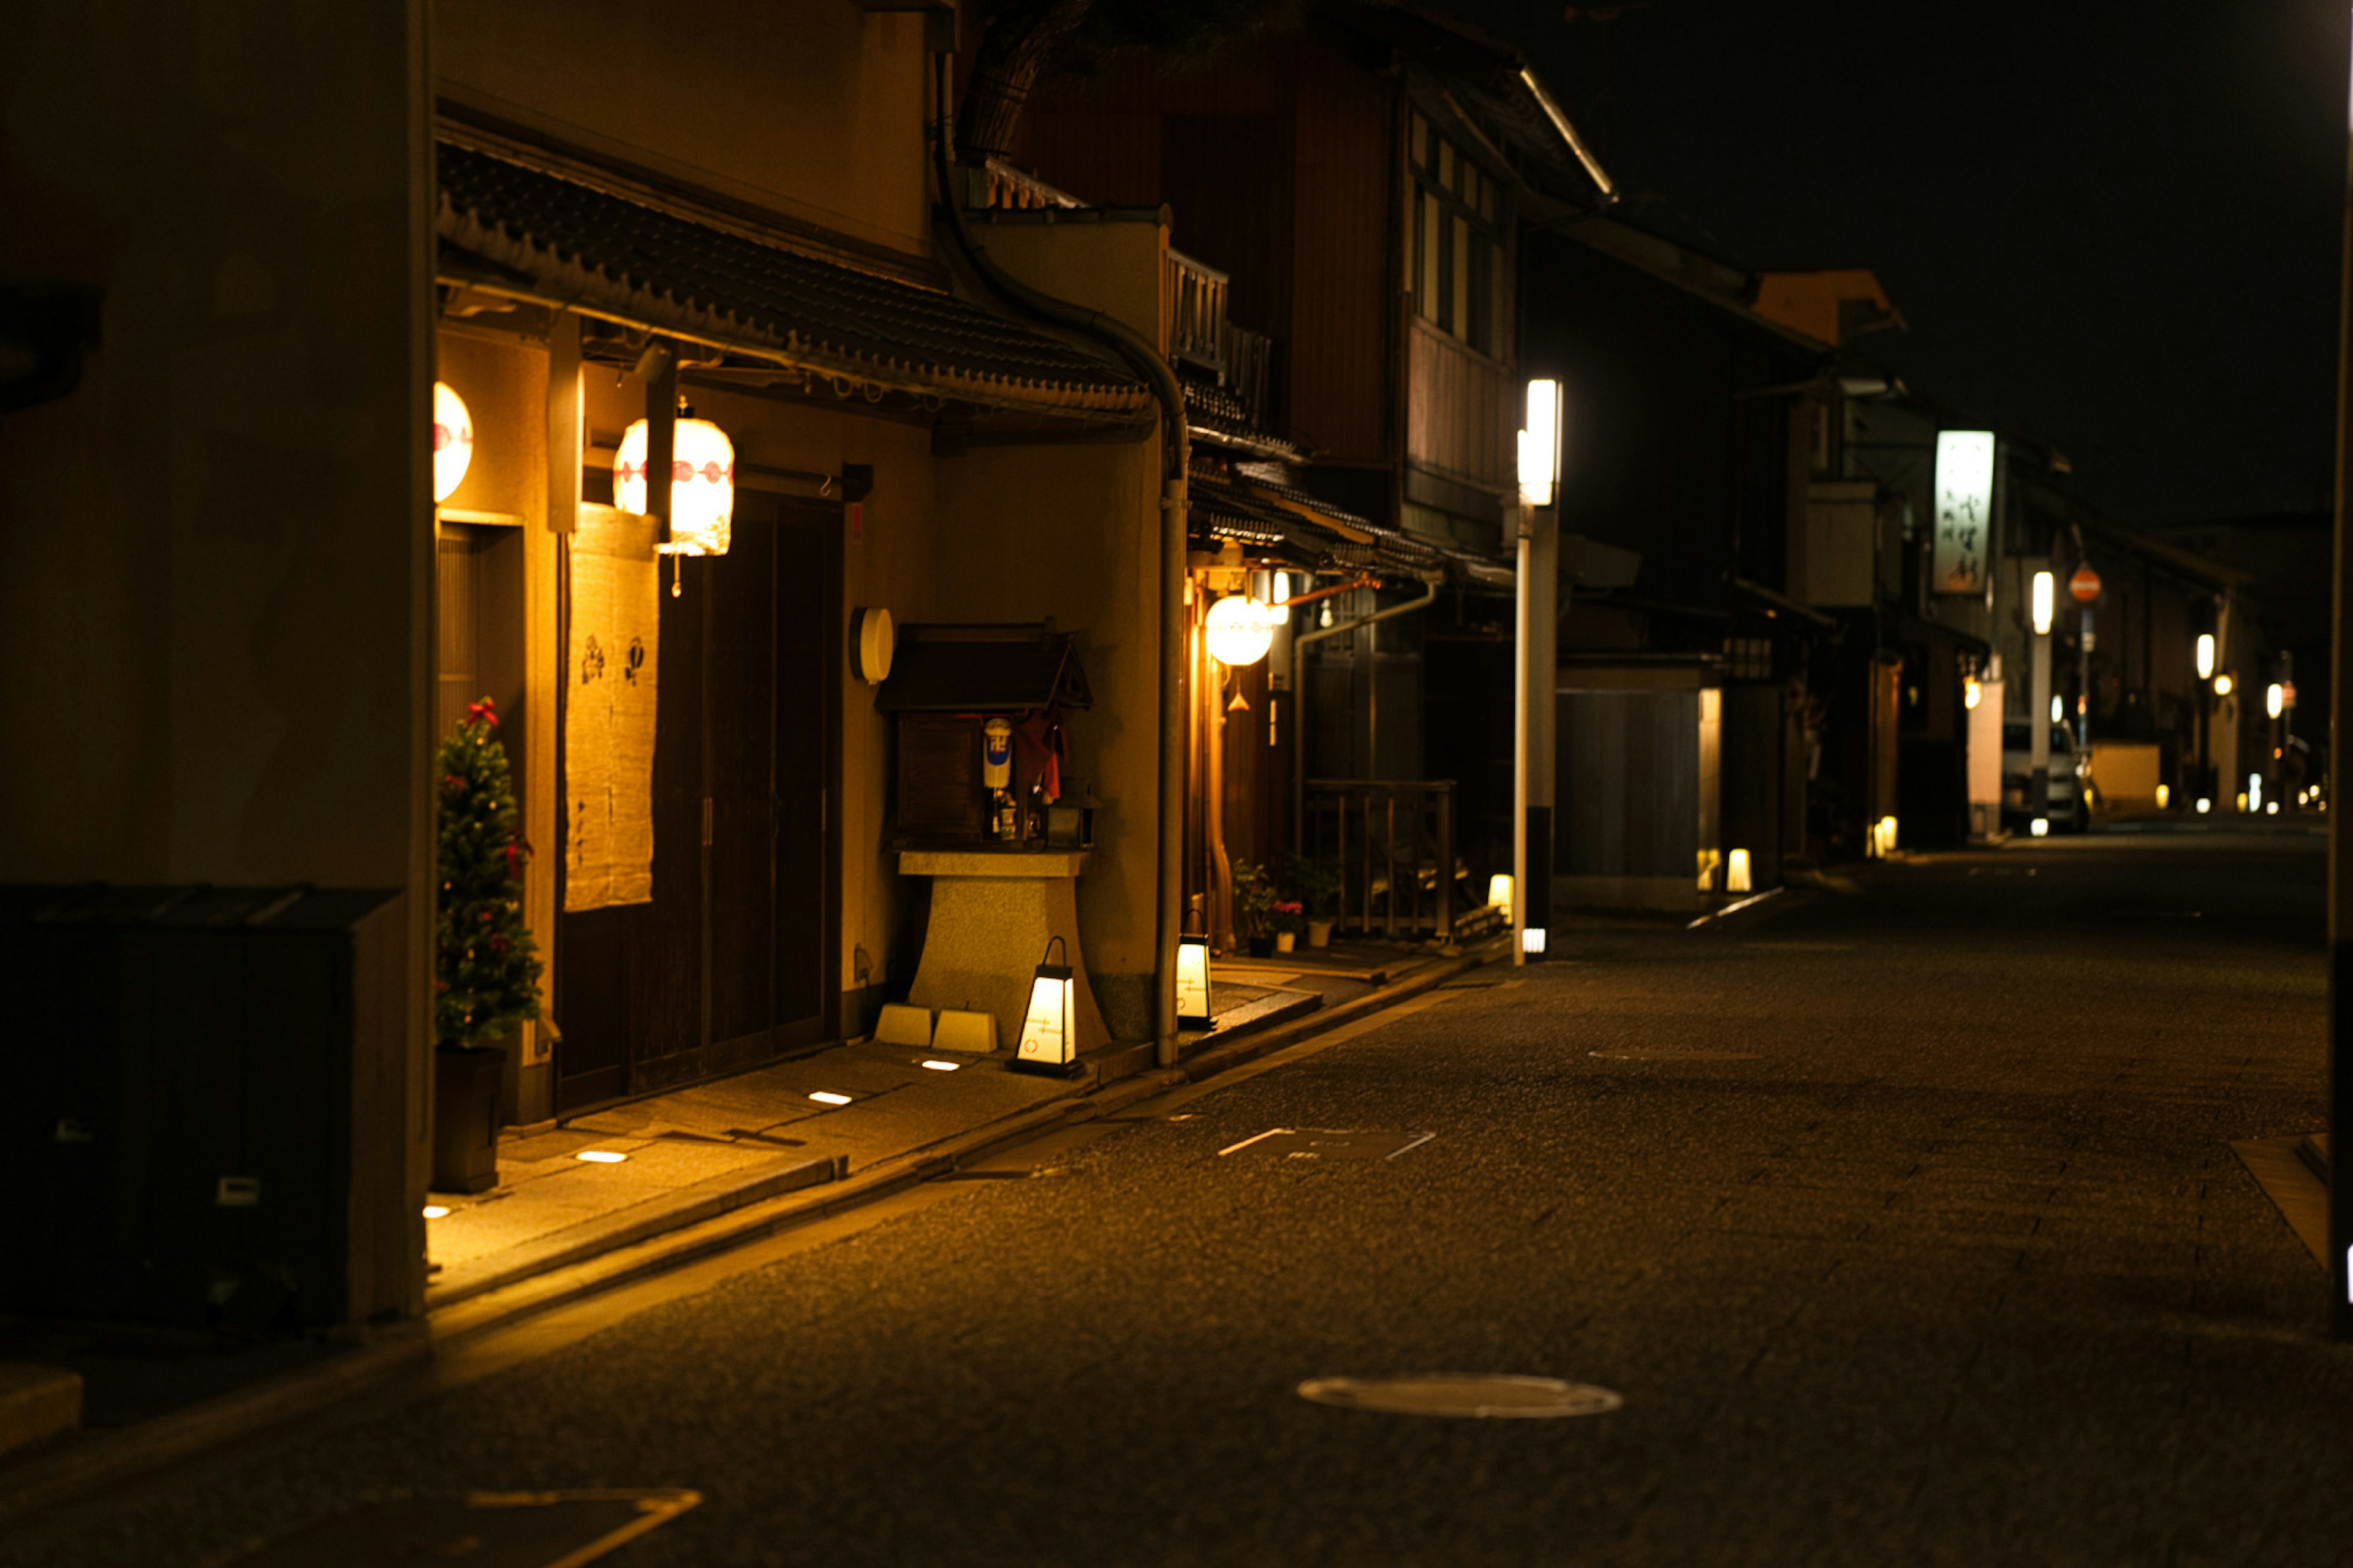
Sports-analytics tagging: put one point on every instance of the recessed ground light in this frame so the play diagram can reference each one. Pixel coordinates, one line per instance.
(827, 1097)
(435, 1211)
(601, 1156)
(943, 1066)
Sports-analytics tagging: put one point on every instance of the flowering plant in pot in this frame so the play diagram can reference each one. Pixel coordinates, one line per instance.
(1289, 921)
(1317, 883)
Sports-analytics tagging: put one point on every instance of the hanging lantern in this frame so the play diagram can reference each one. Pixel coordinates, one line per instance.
(1049, 1043)
(1192, 981)
(1240, 629)
(453, 441)
(702, 484)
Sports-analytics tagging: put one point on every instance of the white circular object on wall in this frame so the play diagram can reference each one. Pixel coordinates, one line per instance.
(873, 637)
(453, 441)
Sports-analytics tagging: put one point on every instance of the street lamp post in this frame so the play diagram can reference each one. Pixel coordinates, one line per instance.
(2038, 796)
(1538, 579)
(2203, 786)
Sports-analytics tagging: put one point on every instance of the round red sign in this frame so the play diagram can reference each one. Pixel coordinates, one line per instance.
(2085, 584)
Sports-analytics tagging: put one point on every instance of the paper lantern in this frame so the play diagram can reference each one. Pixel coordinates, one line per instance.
(1193, 982)
(453, 441)
(1240, 629)
(1049, 1043)
(702, 484)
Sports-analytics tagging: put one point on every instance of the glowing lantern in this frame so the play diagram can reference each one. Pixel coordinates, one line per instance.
(1737, 878)
(1240, 629)
(1193, 982)
(1048, 1042)
(1499, 891)
(702, 484)
(453, 441)
(2042, 604)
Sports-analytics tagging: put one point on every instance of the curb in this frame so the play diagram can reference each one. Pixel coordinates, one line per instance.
(42, 1482)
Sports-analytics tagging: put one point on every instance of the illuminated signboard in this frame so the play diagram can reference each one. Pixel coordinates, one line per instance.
(1964, 510)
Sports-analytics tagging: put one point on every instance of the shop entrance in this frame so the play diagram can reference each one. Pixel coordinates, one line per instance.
(731, 964)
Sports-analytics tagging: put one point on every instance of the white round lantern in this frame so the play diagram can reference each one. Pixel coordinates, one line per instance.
(702, 484)
(453, 441)
(1240, 629)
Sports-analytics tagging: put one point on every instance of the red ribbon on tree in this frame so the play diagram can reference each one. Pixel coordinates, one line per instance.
(476, 712)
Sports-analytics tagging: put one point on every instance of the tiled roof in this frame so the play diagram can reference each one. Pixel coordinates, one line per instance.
(659, 269)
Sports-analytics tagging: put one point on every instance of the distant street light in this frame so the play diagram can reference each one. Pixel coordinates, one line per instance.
(2205, 656)
(2038, 797)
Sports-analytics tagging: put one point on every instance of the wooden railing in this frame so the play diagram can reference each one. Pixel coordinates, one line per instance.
(999, 184)
(1196, 305)
(1394, 842)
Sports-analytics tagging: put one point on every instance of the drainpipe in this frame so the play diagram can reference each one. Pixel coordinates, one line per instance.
(1299, 690)
(1144, 357)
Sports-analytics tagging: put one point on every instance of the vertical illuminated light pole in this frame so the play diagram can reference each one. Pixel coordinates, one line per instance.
(2038, 795)
(2204, 788)
(2340, 884)
(1538, 579)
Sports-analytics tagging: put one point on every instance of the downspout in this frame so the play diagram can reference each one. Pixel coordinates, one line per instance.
(1144, 357)
(1299, 689)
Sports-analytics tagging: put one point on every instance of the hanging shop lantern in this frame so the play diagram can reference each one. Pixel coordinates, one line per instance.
(1049, 1042)
(702, 484)
(1192, 981)
(1240, 629)
(453, 441)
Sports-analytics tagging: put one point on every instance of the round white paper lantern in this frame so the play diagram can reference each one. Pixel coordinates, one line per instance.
(702, 484)
(453, 441)
(1240, 629)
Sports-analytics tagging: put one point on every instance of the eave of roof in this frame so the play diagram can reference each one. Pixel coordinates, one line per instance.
(592, 249)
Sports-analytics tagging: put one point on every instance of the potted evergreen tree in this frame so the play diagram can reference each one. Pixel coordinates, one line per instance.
(486, 966)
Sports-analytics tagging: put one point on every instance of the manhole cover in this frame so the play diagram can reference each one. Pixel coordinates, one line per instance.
(1498, 1395)
(1664, 1055)
(1329, 1144)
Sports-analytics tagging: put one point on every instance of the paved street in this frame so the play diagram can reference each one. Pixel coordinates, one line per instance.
(1906, 1221)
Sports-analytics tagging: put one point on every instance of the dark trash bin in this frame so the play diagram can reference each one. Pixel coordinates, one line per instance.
(204, 1121)
(466, 1117)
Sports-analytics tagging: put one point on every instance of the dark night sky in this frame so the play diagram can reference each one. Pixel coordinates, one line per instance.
(2113, 227)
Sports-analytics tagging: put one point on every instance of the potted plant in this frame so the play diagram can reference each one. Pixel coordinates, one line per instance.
(486, 965)
(1254, 899)
(1316, 884)
(1288, 923)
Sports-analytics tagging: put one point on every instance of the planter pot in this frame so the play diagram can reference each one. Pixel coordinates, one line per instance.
(1285, 941)
(1262, 946)
(1319, 933)
(465, 1119)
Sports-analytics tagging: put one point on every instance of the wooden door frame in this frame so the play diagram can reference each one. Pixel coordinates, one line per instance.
(828, 520)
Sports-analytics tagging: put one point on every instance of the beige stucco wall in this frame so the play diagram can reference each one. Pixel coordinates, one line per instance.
(1074, 533)
(814, 108)
(216, 554)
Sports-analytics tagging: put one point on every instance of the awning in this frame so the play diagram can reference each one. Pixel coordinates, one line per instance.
(556, 239)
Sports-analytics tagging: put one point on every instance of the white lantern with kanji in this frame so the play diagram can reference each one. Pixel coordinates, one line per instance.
(702, 484)
(453, 441)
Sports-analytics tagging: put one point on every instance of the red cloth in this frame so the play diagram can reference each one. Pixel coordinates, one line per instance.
(1040, 752)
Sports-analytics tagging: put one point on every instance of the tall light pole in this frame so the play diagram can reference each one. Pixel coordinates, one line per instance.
(1538, 577)
(2203, 788)
(2038, 796)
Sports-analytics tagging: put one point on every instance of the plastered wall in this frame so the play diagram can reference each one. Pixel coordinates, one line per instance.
(811, 107)
(216, 554)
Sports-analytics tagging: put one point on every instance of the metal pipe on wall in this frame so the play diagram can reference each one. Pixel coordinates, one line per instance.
(1145, 358)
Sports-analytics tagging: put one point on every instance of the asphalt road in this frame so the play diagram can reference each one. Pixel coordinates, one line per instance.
(1935, 1251)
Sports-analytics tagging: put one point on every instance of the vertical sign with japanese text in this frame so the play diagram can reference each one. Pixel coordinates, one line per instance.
(1964, 510)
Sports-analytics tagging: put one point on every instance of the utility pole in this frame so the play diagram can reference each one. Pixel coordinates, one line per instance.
(1533, 643)
(2038, 790)
(2340, 877)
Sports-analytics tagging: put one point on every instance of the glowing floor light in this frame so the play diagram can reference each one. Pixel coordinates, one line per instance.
(601, 1156)
(827, 1097)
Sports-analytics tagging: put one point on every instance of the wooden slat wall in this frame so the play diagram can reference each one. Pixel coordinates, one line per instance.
(1459, 420)
(1336, 362)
